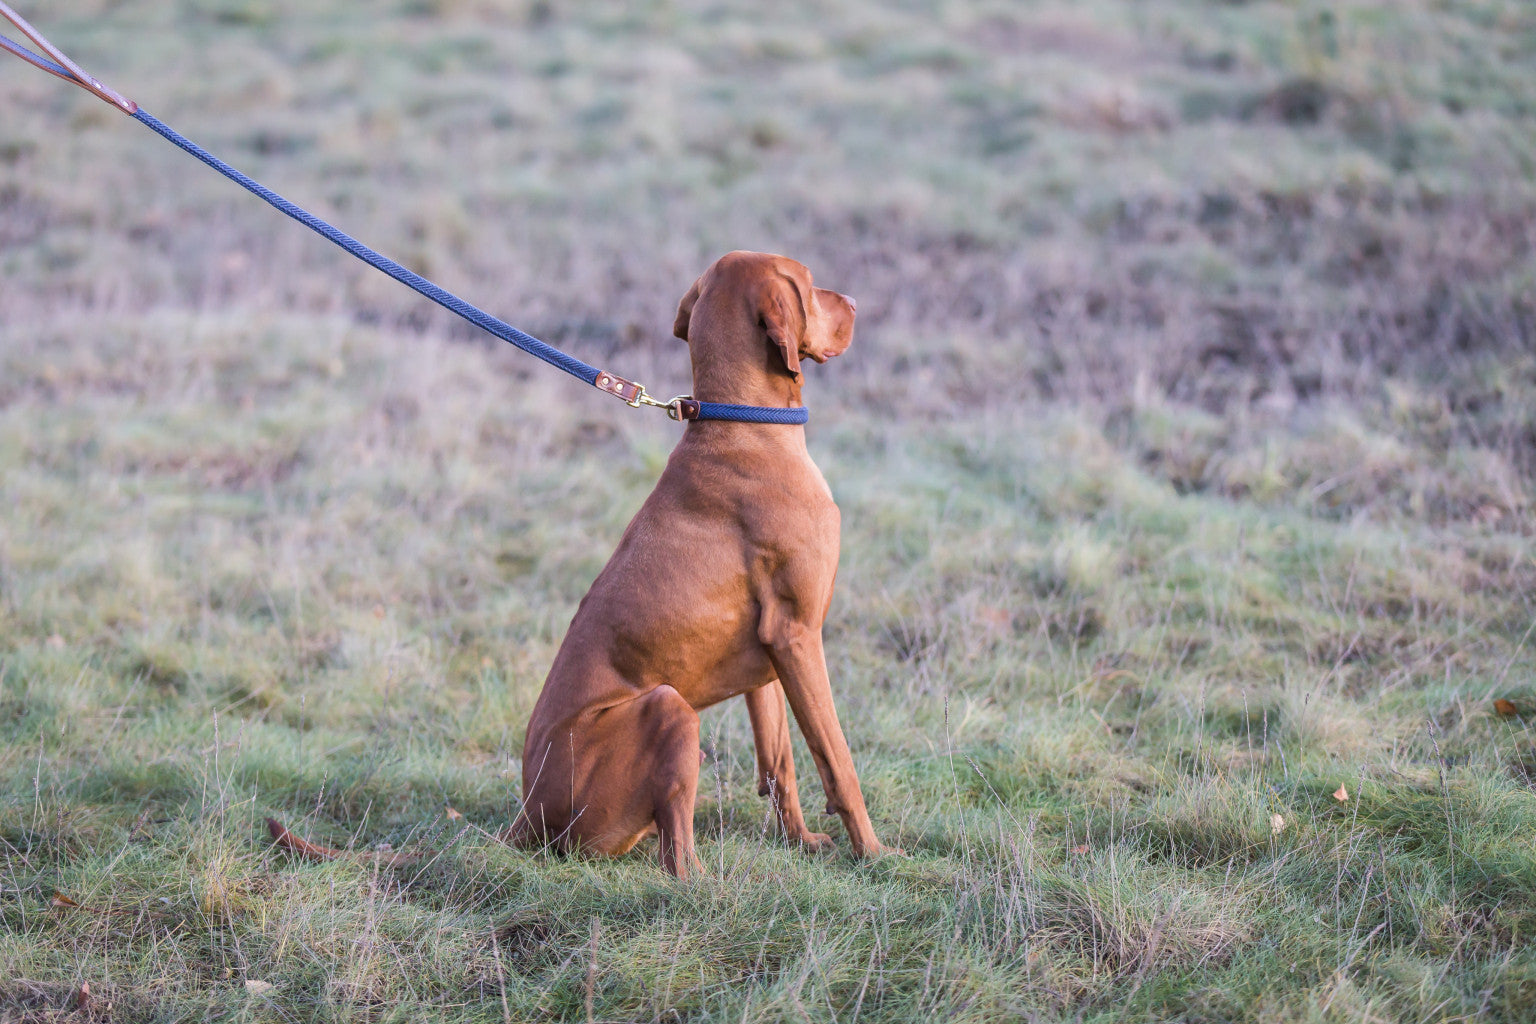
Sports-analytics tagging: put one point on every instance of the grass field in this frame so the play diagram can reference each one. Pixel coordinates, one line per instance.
(1186, 453)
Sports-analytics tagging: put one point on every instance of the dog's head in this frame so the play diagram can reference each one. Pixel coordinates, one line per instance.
(794, 319)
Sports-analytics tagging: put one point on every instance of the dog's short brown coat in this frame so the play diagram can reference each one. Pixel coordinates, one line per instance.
(719, 587)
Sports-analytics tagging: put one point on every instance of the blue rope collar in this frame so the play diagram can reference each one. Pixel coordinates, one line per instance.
(682, 408)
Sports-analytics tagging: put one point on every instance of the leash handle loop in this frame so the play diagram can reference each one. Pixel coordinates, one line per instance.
(61, 65)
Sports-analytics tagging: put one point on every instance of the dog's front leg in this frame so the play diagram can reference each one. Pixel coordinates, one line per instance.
(797, 655)
(776, 764)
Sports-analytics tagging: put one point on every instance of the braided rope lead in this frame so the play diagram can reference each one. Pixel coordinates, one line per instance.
(505, 331)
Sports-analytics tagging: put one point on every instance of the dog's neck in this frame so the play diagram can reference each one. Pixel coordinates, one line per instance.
(739, 367)
(750, 388)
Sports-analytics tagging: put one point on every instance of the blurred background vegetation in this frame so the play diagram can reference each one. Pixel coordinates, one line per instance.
(1186, 449)
(1244, 210)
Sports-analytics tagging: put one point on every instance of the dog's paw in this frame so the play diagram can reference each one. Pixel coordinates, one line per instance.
(881, 850)
(814, 842)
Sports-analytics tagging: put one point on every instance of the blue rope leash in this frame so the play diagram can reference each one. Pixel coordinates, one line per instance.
(505, 331)
(631, 392)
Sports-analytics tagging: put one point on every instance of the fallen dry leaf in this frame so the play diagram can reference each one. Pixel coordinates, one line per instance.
(994, 617)
(1505, 707)
(454, 815)
(1486, 515)
(1276, 823)
(1341, 794)
(1081, 849)
(62, 902)
(383, 856)
(56, 642)
(83, 996)
(256, 988)
(378, 611)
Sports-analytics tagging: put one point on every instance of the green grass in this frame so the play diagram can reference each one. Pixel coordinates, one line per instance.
(1186, 453)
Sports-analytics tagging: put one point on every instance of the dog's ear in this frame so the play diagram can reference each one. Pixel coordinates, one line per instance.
(782, 309)
(685, 311)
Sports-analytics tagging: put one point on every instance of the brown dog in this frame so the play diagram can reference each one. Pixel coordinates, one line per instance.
(719, 587)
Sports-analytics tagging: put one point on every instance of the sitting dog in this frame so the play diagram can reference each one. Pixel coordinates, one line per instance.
(719, 587)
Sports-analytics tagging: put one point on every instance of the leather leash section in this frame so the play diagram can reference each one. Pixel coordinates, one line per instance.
(632, 393)
(61, 65)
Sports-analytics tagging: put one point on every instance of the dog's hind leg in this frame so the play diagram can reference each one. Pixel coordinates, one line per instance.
(617, 773)
(669, 736)
(776, 764)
